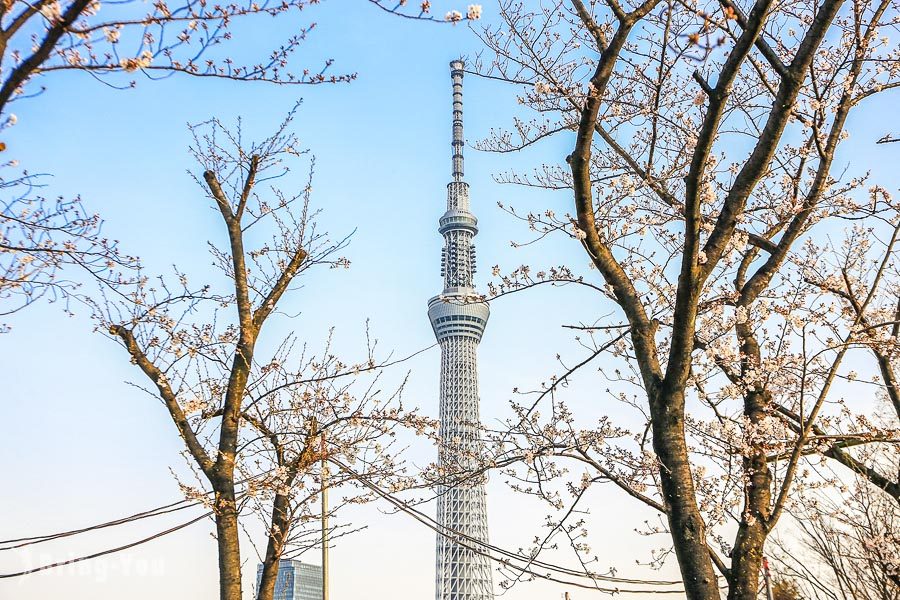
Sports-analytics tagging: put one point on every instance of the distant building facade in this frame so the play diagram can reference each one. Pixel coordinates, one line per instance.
(296, 581)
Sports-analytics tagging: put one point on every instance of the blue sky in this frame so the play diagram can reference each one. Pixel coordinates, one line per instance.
(80, 445)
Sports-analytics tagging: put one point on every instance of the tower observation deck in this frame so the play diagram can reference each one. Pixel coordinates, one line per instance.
(458, 318)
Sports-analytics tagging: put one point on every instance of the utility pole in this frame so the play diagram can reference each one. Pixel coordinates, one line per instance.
(767, 578)
(324, 517)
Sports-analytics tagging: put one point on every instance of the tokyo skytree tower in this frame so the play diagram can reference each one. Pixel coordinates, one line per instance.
(458, 318)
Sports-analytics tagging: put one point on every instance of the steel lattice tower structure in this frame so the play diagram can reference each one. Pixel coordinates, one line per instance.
(458, 318)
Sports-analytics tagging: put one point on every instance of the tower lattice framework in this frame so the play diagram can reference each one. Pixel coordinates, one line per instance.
(459, 318)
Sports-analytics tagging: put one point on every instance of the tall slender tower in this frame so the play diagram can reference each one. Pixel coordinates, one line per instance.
(458, 318)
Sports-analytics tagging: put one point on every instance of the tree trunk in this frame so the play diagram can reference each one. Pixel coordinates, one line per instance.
(281, 523)
(266, 589)
(746, 558)
(229, 546)
(685, 521)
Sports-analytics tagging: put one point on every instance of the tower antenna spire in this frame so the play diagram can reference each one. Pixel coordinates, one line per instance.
(459, 317)
(456, 74)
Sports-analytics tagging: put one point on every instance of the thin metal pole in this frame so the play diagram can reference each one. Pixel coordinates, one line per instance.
(324, 519)
(767, 578)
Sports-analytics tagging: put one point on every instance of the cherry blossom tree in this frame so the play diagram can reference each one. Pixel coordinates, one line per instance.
(157, 40)
(844, 545)
(258, 419)
(38, 237)
(706, 195)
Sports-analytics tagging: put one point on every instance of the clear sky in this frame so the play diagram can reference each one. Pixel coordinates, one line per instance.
(79, 445)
